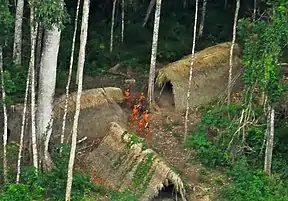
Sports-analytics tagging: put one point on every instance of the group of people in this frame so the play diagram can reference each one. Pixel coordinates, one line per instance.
(139, 112)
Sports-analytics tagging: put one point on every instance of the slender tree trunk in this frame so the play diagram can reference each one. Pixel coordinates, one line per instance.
(254, 10)
(201, 27)
(154, 53)
(17, 46)
(191, 72)
(112, 25)
(225, 4)
(231, 51)
(122, 20)
(23, 126)
(269, 142)
(70, 74)
(46, 91)
(33, 32)
(38, 52)
(81, 61)
(5, 165)
(148, 12)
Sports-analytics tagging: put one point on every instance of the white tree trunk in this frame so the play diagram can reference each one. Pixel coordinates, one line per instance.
(254, 10)
(46, 91)
(23, 126)
(112, 25)
(269, 142)
(231, 51)
(70, 74)
(154, 53)
(122, 20)
(17, 46)
(202, 22)
(33, 32)
(148, 12)
(225, 4)
(191, 72)
(81, 61)
(5, 165)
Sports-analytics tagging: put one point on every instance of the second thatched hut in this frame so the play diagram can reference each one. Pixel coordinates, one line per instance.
(210, 75)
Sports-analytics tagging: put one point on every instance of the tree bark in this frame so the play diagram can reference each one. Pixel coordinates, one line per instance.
(70, 73)
(122, 20)
(269, 142)
(231, 51)
(154, 54)
(148, 12)
(81, 61)
(191, 72)
(17, 46)
(254, 10)
(38, 52)
(201, 26)
(112, 25)
(46, 91)
(5, 165)
(33, 32)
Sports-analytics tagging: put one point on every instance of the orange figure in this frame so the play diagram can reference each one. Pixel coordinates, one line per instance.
(146, 117)
(140, 126)
(133, 102)
(127, 96)
(146, 131)
(135, 112)
(141, 101)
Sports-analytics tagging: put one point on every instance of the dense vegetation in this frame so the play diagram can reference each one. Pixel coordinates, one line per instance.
(217, 139)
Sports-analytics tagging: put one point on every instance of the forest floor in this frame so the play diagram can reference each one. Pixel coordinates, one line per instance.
(166, 138)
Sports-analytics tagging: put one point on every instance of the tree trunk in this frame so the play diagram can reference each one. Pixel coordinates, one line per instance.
(5, 165)
(17, 46)
(112, 26)
(38, 53)
(81, 61)
(148, 12)
(225, 4)
(122, 19)
(191, 72)
(46, 91)
(254, 10)
(231, 52)
(70, 73)
(201, 26)
(154, 54)
(33, 32)
(23, 126)
(269, 142)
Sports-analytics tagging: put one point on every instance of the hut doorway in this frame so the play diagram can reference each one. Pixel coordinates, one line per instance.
(165, 96)
(168, 193)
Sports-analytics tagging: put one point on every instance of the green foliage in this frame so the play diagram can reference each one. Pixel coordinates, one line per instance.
(51, 12)
(16, 192)
(6, 21)
(134, 139)
(250, 184)
(127, 195)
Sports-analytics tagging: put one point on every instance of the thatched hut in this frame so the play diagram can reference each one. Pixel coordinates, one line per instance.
(123, 161)
(98, 108)
(210, 75)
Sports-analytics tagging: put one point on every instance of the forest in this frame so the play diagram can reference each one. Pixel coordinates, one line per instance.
(214, 78)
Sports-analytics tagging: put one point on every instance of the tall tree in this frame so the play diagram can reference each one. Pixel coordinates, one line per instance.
(81, 61)
(154, 53)
(229, 87)
(70, 73)
(254, 10)
(122, 19)
(33, 33)
(17, 46)
(112, 25)
(202, 22)
(148, 12)
(191, 72)
(47, 82)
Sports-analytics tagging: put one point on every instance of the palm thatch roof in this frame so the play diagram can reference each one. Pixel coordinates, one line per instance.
(123, 161)
(98, 108)
(210, 75)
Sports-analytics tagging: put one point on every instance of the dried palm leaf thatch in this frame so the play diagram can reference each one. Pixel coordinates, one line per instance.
(123, 161)
(210, 75)
(98, 108)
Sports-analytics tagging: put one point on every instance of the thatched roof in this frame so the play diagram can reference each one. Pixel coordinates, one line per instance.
(123, 161)
(98, 108)
(210, 74)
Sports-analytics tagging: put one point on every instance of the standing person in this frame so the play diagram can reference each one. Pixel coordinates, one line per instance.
(127, 96)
